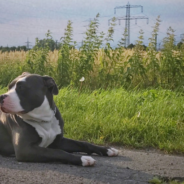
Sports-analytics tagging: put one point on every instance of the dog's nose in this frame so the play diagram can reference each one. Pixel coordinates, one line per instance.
(2, 97)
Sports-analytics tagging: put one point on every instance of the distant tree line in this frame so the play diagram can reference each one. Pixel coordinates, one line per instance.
(131, 46)
(8, 49)
(48, 42)
(54, 45)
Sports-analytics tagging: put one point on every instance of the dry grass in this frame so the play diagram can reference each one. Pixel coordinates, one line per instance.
(53, 56)
(20, 56)
(12, 56)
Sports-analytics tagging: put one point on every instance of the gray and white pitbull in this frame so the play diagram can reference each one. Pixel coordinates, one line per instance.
(31, 126)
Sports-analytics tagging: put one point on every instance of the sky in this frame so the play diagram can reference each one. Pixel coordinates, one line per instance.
(22, 20)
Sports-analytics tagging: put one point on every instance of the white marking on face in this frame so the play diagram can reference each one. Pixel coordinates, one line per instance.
(87, 161)
(12, 101)
(44, 121)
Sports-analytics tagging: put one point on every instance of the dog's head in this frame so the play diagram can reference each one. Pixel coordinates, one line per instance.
(30, 94)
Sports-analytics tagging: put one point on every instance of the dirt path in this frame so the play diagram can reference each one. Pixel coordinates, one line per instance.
(130, 167)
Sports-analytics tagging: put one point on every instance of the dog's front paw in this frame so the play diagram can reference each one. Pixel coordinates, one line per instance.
(87, 161)
(112, 152)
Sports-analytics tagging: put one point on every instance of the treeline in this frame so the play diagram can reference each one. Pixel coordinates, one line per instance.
(131, 46)
(55, 45)
(8, 49)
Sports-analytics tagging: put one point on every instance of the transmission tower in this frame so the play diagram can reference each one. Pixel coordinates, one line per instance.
(27, 43)
(127, 19)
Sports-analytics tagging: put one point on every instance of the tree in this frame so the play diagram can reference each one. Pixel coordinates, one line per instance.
(47, 42)
(131, 46)
(179, 45)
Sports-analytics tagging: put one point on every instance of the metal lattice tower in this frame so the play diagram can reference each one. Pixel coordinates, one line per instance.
(127, 19)
(27, 43)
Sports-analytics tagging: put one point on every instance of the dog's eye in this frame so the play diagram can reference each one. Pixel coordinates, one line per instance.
(20, 86)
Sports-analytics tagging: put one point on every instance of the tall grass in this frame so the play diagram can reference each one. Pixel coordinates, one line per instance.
(102, 66)
(12, 56)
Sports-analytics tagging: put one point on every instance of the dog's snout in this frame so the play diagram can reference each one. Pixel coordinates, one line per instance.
(2, 97)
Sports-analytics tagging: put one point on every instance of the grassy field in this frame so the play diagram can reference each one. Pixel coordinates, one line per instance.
(149, 118)
(20, 56)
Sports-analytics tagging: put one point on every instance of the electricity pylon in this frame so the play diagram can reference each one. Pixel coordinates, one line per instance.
(27, 43)
(127, 19)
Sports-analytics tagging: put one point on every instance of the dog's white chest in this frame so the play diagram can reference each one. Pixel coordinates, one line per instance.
(46, 130)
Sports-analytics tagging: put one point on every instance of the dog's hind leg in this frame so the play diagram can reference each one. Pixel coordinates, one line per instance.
(71, 146)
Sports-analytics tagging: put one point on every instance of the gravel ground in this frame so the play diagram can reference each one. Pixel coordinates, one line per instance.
(132, 166)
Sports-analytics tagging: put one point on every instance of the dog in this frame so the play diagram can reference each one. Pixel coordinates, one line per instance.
(31, 126)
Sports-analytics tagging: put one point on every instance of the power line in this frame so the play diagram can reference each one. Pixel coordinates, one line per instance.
(127, 19)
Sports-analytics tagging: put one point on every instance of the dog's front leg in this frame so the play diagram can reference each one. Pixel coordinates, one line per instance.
(39, 154)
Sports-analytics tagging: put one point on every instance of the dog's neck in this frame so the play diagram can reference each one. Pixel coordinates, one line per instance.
(44, 121)
(47, 130)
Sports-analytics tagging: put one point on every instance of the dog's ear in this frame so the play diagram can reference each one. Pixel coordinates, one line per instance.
(50, 84)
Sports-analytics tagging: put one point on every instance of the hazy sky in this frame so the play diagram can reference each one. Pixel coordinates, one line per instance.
(22, 19)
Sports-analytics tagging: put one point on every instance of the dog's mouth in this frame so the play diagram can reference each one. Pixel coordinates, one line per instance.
(7, 111)
(4, 110)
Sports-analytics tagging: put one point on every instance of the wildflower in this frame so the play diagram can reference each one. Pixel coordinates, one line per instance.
(82, 79)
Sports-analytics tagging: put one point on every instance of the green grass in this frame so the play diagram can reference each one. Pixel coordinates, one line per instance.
(148, 118)
(3, 90)
(157, 180)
